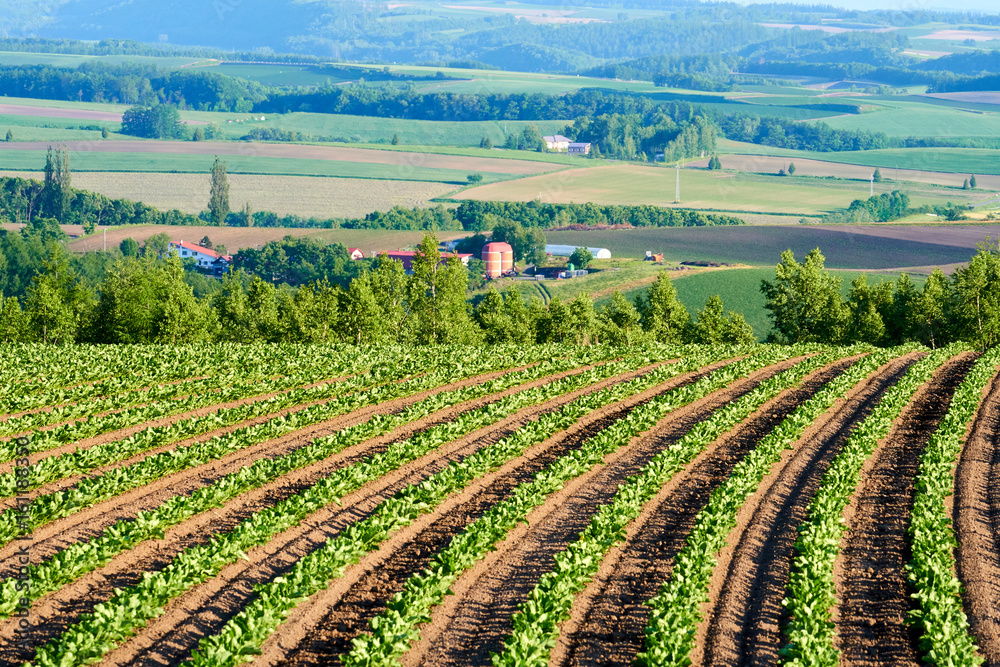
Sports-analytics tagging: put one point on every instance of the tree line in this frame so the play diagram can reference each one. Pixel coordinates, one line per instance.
(806, 304)
(146, 298)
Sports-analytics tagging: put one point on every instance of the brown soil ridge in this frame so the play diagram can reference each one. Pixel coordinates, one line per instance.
(477, 618)
(608, 618)
(976, 515)
(872, 588)
(744, 617)
(206, 608)
(86, 523)
(318, 609)
(59, 609)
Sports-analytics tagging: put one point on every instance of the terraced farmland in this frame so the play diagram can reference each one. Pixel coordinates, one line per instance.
(547, 505)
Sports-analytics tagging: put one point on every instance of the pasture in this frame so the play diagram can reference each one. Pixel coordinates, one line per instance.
(700, 189)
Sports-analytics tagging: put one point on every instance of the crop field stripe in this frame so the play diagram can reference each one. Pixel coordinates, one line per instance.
(85, 459)
(111, 415)
(811, 591)
(945, 638)
(744, 616)
(240, 402)
(313, 573)
(46, 385)
(201, 562)
(92, 490)
(83, 557)
(874, 596)
(536, 624)
(977, 524)
(393, 630)
(143, 395)
(676, 610)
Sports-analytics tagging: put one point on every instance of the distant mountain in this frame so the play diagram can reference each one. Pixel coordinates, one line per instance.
(227, 24)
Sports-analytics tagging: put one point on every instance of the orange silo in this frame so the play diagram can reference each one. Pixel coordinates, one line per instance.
(498, 257)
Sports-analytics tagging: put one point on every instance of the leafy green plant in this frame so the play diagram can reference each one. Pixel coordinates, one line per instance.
(811, 590)
(943, 624)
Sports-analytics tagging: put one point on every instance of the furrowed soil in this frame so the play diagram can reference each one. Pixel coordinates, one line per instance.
(321, 630)
(169, 638)
(475, 621)
(744, 616)
(52, 613)
(976, 514)
(872, 588)
(610, 616)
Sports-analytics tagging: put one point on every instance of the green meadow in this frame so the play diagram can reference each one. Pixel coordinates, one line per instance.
(15, 160)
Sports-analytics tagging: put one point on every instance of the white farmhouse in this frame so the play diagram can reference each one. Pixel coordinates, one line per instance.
(204, 258)
(557, 143)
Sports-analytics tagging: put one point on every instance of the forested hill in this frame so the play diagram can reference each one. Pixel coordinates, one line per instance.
(428, 32)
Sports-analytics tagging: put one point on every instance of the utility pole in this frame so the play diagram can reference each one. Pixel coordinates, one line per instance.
(105, 239)
(871, 191)
(677, 190)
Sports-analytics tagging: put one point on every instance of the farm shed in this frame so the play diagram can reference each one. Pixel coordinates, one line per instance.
(567, 250)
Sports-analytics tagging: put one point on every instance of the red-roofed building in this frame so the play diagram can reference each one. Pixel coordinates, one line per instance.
(406, 257)
(205, 259)
(356, 253)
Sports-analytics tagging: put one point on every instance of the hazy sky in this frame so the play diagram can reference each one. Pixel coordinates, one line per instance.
(985, 6)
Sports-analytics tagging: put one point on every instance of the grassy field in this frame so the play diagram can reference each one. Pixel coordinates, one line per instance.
(723, 191)
(368, 129)
(909, 118)
(18, 160)
(298, 195)
(952, 160)
(15, 58)
(369, 240)
(740, 292)
(763, 246)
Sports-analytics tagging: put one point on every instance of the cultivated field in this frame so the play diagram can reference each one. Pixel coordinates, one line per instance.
(700, 189)
(762, 245)
(897, 178)
(299, 195)
(534, 505)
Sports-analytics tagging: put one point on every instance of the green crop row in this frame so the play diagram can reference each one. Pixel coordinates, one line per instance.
(194, 394)
(83, 461)
(536, 624)
(944, 626)
(811, 589)
(230, 384)
(676, 609)
(90, 491)
(83, 557)
(57, 379)
(113, 621)
(393, 630)
(246, 632)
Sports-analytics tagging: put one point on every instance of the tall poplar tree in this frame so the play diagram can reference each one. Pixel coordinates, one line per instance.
(218, 201)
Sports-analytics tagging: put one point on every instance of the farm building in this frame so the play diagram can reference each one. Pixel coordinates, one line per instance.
(567, 250)
(406, 258)
(356, 253)
(557, 142)
(578, 148)
(499, 258)
(205, 259)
